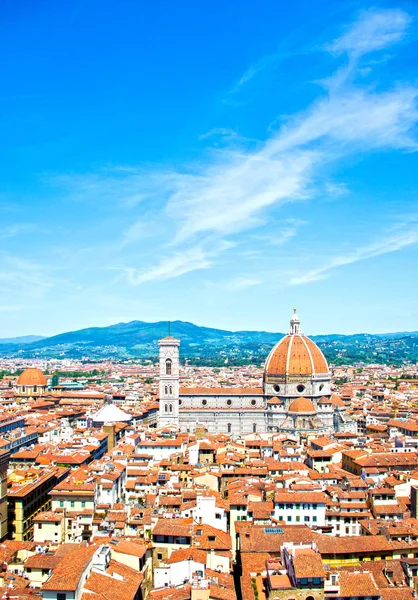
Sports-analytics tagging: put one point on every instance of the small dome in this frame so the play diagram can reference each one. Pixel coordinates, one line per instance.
(324, 400)
(31, 377)
(302, 405)
(275, 400)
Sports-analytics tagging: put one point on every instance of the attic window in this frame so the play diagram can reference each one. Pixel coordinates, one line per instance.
(199, 532)
(211, 538)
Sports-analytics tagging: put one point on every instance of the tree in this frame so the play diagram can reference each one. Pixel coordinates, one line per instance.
(55, 380)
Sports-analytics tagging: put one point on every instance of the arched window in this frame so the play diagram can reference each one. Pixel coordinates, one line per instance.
(254, 428)
(171, 389)
(171, 408)
(35, 389)
(166, 390)
(166, 408)
(229, 427)
(168, 365)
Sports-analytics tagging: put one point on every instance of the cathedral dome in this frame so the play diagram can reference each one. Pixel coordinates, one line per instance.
(295, 355)
(302, 405)
(31, 377)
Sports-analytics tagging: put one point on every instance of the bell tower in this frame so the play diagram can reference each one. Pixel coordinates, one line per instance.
(169, 382)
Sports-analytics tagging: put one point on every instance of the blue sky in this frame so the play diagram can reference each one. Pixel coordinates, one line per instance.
(216, 162)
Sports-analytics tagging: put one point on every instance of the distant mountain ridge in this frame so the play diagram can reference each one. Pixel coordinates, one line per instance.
(139, 339)
(23, 339)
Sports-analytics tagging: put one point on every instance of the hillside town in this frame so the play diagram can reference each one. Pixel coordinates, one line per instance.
(108, 493)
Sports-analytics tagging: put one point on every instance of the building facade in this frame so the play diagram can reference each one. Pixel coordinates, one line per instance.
(295, 396)
(4, 463)
(27, 497)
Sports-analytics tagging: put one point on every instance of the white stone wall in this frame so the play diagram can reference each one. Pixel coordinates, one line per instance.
(308, 513)
(315, 386)
(207, 512)
(237, 420)
(176, 573)
(221, 402)
(228, 421)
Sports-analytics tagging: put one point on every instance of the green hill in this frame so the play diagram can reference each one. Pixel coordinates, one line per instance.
(205, 345)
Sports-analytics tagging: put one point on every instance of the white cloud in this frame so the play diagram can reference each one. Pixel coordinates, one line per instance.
(22, 276)
(232, 191)
(385, 246)
(182, 262)
(144, 228)
(227, 196)
(218, 131)
(115, 185)
(374, 30)
(17, 229)
(349, 118)
(240, 283)
(281, 233)
(336, 189)
(230, 194)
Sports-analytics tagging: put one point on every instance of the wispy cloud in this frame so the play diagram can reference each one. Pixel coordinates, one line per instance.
(142, 230)
(22, 276)
(282, 233)
(233, 190)
(218, 131)
(16, 229)
(230, 193)
(374, 30)
(173, 265)
(240, 283)
(385, 246)
(113, 185)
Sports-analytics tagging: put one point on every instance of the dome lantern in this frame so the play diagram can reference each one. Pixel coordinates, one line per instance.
(295, 324)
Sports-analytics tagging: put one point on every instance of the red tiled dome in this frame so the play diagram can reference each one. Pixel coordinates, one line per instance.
(301, 405)
(296, 354)
(31, 377)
